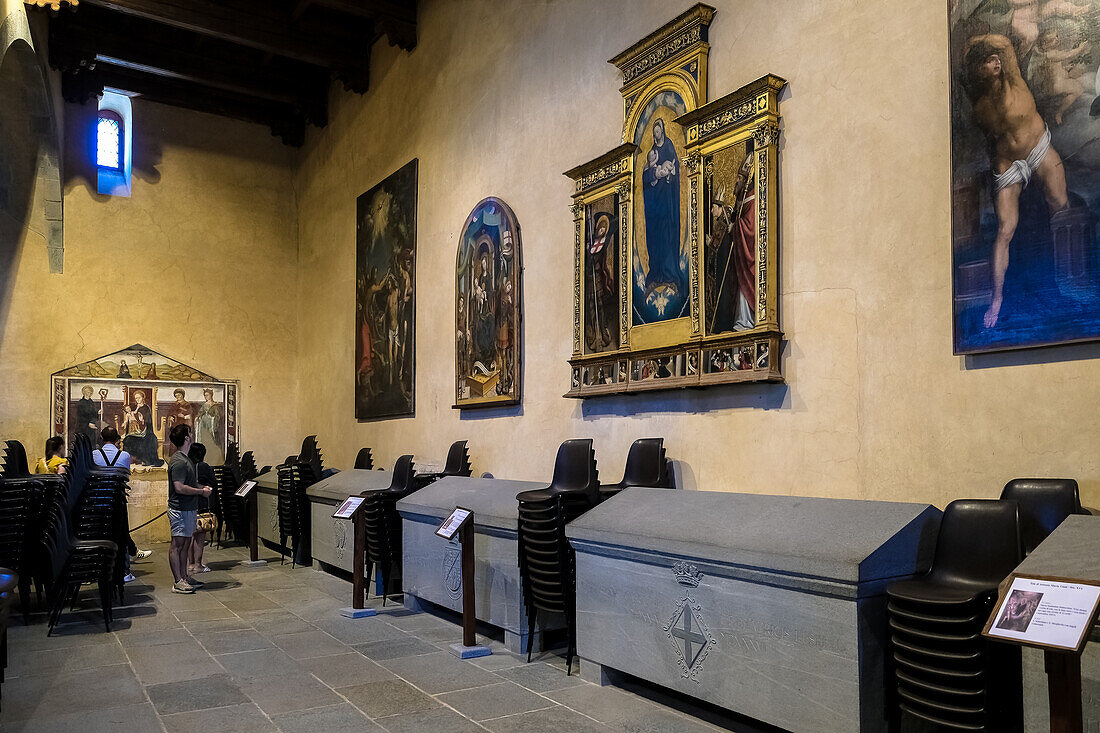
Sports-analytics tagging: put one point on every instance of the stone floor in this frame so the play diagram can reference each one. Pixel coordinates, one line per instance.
(267, 650)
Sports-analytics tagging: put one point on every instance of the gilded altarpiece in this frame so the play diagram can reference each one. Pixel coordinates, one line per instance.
(674, 230)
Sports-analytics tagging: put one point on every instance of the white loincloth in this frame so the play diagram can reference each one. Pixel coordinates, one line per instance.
(1021, 170)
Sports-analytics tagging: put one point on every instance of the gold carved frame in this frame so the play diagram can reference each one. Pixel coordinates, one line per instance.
(681, 352)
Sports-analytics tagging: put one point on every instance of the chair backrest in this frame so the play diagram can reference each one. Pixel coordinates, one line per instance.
(1044, 504)
(458, 460)
(402, 474)
(575, 467)
(312, 458)
(15, 460)
(248, 466)
(646, 464)
(363, 459)
(978, 543)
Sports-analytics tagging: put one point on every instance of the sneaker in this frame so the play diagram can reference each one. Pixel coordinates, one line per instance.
(142, 554)
(129, 578)
(193, 583)
(182, 586)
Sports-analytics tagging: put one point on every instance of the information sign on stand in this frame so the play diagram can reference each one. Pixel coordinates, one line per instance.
(348, 508)
(460, 523)
(245, 489)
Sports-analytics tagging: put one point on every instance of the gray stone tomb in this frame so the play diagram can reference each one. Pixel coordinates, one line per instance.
(267, 507)
(331, 539)
(769, 606)
(431, 566)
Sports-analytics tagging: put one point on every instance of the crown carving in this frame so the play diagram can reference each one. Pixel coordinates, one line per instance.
(687, 574)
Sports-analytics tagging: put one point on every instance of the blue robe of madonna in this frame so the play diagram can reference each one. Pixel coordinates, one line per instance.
(661, 197)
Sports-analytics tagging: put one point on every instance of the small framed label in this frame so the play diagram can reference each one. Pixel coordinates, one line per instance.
(1050, 613)
(345, 510)
(453, 523)
(245, 489)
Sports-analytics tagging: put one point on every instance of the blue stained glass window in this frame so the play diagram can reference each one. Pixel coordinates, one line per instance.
(109, 142)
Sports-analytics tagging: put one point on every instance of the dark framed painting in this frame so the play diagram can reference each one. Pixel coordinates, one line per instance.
(1025, 172)
(489, 308)
(385, 297)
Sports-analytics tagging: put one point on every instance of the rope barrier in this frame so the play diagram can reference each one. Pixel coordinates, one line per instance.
(133, 529)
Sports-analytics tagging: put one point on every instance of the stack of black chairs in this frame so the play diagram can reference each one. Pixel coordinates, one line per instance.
(101, 515)
(363, 460)
(382, 525)
(646, 466)
(295, 475)
(233, 522)
(547, 562)
(945, 672)
(1044, 504)
(458, 460)
(19, 492)
(8, 583)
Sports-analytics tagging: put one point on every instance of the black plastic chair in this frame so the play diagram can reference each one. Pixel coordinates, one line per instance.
(15, 460)
(646, 466)
(945, 672)
(364, 460)
(458, 460)
(1044, 504)
(547, 561)
(382, 527)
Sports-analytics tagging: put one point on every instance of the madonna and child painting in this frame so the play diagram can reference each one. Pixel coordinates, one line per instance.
(1025, 121)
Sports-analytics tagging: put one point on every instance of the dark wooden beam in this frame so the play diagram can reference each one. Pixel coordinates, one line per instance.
(283, 119)
(93, 40)
(397, 20)
(258, 24)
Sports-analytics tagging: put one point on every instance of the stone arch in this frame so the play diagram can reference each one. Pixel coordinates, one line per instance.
(30, 162)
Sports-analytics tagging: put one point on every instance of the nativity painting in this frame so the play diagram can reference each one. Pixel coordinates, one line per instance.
(488, 308)
(385, 267)
(1025, 123)
(143, 395)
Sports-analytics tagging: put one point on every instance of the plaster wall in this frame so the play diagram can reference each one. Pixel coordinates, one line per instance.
(500, 98)
(199, 264)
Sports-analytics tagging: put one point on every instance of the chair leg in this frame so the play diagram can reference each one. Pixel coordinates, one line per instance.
(25, 598)
(532, 615)
(105, 603)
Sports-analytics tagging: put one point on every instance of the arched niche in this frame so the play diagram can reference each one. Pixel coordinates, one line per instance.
(30, 172)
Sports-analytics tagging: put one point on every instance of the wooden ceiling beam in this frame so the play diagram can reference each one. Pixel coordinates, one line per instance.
(397, 20)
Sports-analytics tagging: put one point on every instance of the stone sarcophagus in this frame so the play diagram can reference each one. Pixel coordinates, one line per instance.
(267, 508)
(432, 565)
(769, 606)
(332, 539)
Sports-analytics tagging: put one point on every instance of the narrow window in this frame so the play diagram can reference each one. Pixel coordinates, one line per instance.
(109, 147)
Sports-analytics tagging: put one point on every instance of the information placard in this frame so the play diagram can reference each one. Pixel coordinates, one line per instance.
(245, 489)
(1051, 613)
(453, 523)
(345, 510)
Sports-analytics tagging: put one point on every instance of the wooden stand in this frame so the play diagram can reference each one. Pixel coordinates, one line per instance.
(469, 647)
(358, 608)
(254, 560)
(1064, 691)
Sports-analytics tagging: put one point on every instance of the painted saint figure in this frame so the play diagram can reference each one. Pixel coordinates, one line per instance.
(87, 415)
(484, 315)
(1019, 145)
(732, 251)
(206, 428)
(661, 198)
(137, 430)
(602, 301)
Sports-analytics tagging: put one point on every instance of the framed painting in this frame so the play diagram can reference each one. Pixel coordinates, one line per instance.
(385, 297)
(674, 230)
(143, 395)
(1025, 172)
(489, 309)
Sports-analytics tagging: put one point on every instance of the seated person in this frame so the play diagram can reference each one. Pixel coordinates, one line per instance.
(55, 460)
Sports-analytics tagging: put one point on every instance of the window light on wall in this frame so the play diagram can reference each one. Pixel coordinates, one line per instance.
(109, 141)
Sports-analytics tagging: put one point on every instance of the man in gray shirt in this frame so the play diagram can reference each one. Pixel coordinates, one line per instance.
(183, 490)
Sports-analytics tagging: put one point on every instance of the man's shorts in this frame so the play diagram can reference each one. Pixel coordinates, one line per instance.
(183, 523)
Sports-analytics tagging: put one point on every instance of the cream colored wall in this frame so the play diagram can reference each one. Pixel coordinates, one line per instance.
(500, 98)
(199, 264)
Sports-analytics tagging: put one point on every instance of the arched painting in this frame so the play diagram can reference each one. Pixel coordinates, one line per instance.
(488, 308)
(661, 244)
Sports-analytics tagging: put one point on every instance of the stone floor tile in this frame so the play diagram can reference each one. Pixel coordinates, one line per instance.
(133, 638)
(260, 663)
(245, 600)
(341, 670)
(53, 661)
(139, 718)
(433, 721)
(276, 695)
(276, 621)
(73, 692)
(626, 712)
(239, 640)
(236, 719)
(25, 639)
(205, 614)
(308, 644)
(554, 720)
(357, 630)
(389, 697)
(173, 662)
(440, 672)
(212, 626)
(215, 691)
(341, 718)
(540, 677)
(493, 701)
(500, 659)
(403, 646)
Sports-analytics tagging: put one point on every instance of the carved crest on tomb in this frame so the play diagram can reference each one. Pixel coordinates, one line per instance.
(452, 570)
(690, 636)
